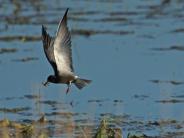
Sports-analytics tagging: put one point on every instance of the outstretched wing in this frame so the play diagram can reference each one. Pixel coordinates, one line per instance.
(62, 47)
(48, 48)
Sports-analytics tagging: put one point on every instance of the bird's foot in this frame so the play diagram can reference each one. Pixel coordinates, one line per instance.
(68, 89)
(45, 83)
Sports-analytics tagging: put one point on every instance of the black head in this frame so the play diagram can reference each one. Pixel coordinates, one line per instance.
(52, 79)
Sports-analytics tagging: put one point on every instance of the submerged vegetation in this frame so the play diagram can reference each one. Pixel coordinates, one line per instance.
(104, 131)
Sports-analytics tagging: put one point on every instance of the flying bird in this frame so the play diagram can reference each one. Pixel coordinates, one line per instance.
(59, 54)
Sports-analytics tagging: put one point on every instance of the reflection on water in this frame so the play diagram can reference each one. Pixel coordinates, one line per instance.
(132, 50)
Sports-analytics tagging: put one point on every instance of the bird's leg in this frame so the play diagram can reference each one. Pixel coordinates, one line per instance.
(69, 85)
(45, 83)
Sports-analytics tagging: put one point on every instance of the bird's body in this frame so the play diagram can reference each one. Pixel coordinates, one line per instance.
(59, 54)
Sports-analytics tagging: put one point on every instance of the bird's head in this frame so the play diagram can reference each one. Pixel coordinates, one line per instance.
(50, 78)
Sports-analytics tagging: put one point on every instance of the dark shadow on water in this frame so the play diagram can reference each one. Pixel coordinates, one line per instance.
(95, 32)
(171, 48)
(83, 32)
(26, 59)
(114, 19)
(177, 96)
(140, 97)
(8, 50)
(32, 96)
(11, 98)
(14, 110)
(173, 82)
(172, 101)
(179, 30)
(20, 38)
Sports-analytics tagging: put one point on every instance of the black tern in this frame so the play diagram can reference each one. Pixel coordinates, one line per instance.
(59, 54)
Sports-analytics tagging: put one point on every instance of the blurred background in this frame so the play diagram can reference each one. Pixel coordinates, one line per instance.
(131, 50)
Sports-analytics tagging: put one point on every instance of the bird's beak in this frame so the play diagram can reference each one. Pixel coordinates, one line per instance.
(45, 83)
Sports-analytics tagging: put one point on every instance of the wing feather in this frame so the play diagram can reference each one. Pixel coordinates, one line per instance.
(62, 47)
(48, 48)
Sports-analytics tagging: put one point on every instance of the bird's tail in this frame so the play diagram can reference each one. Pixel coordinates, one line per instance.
(80, 83)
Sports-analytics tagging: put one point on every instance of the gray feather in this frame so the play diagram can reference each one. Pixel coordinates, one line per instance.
(48, 48)
(62, 47)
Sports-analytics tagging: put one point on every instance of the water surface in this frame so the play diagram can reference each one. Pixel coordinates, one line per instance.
(132, 50)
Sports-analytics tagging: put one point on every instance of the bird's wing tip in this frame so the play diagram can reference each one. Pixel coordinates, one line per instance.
(63, 21)
(43, 26)
(67, 10)
(65, 15)
(43, 30)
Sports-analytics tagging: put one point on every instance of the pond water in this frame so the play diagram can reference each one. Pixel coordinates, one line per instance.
(132, 51)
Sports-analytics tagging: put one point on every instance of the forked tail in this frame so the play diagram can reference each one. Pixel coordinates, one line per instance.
(80, 83)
